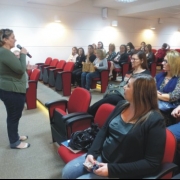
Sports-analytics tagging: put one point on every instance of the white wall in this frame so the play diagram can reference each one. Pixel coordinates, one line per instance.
(81, 25)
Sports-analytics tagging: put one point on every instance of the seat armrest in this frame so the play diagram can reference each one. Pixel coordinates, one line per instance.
(56, 70)
(165, 169)
(124, 63)
(32, 81)
(49, 104)
(72, 115)
(105, 70)
(84, 116)
(50, 67)
(64, 72)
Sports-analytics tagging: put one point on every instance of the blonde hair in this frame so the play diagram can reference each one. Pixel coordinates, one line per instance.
(113, 45)
(173, 59)
(101, 52)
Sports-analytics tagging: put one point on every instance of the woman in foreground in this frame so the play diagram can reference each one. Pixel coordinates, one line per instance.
(127, 146)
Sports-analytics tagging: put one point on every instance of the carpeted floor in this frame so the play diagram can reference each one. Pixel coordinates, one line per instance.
(41, 160)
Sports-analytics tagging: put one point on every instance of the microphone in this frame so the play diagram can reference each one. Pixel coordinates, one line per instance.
(19, 47)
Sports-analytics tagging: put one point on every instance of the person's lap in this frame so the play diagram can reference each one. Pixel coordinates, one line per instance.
(75, 170)
(175, 129)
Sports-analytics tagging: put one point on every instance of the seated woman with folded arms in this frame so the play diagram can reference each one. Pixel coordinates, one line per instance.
(139, 66)
(168, 85)
(120, 58)
(73, 56)
(127, 145)
(99, 64)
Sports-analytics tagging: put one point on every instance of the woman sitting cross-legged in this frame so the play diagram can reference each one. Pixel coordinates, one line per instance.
(139, 66)
(99, 64)
(131, 144)
(168, 85)
(120, 58)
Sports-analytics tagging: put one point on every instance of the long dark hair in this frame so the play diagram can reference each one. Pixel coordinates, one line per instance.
(102, 44)
(144, 96)
(83, 54)
(130, 44)
(142, 56)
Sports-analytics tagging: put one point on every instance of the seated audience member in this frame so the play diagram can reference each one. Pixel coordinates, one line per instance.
(78, 65)
(149, 54)
(161, 53)
(74, 55)
(142, 48)
(111, 54)
(120, 58)
(130, 49)
(99, 64)
(139, 66)
(131, 144)
(168, 85)
(94, 45)
(175, 129)
(100, 45)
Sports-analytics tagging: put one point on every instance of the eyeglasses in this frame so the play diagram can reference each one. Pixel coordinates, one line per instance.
(165, 61)
(134, 59)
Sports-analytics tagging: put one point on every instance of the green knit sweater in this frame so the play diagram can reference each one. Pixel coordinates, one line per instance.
(12, 71)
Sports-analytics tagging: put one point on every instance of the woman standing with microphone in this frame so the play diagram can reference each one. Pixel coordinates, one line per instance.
(12, 86)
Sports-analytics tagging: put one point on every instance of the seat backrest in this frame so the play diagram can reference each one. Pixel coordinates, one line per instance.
(103, 113)
(35, 75)
(153, 69)
(109, 65)
(170, 147)
(154, 51)
(61, 64)
(83, 97)
(169, 153)
(69, 66)
(48, 61)
(54, 62)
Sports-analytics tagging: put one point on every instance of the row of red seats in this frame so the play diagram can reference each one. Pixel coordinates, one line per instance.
(67, 117)
(58, 74)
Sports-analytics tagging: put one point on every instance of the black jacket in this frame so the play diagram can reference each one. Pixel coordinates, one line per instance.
(79, 61)
(150, 58)
(141, 152)
(123, 58)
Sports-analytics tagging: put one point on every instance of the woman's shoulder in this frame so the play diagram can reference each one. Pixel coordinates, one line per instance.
(146, 72)
(155, 117)
(161, 74)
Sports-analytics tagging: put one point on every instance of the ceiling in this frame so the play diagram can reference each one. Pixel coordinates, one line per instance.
(147, 9)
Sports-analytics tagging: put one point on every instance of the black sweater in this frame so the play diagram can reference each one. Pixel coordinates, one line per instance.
(142, 150)
(122, 59)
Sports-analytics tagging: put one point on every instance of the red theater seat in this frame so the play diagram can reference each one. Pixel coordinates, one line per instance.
(63, 79)
(102, 114)
(46, 70)
(31, 94)
(153, 69)
(53, 72)
(61, 111)
(104, 78)
(42, 65)
(123, 70)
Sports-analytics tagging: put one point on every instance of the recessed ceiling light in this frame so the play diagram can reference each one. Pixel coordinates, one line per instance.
(126, 1)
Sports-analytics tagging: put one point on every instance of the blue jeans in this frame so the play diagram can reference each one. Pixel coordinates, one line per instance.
(175, 129)
(14, 103)
(86, 79)
(75, 170)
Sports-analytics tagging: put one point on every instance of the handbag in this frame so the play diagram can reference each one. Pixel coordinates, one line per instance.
(115, 89)
(88, 67)
(82, 140)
